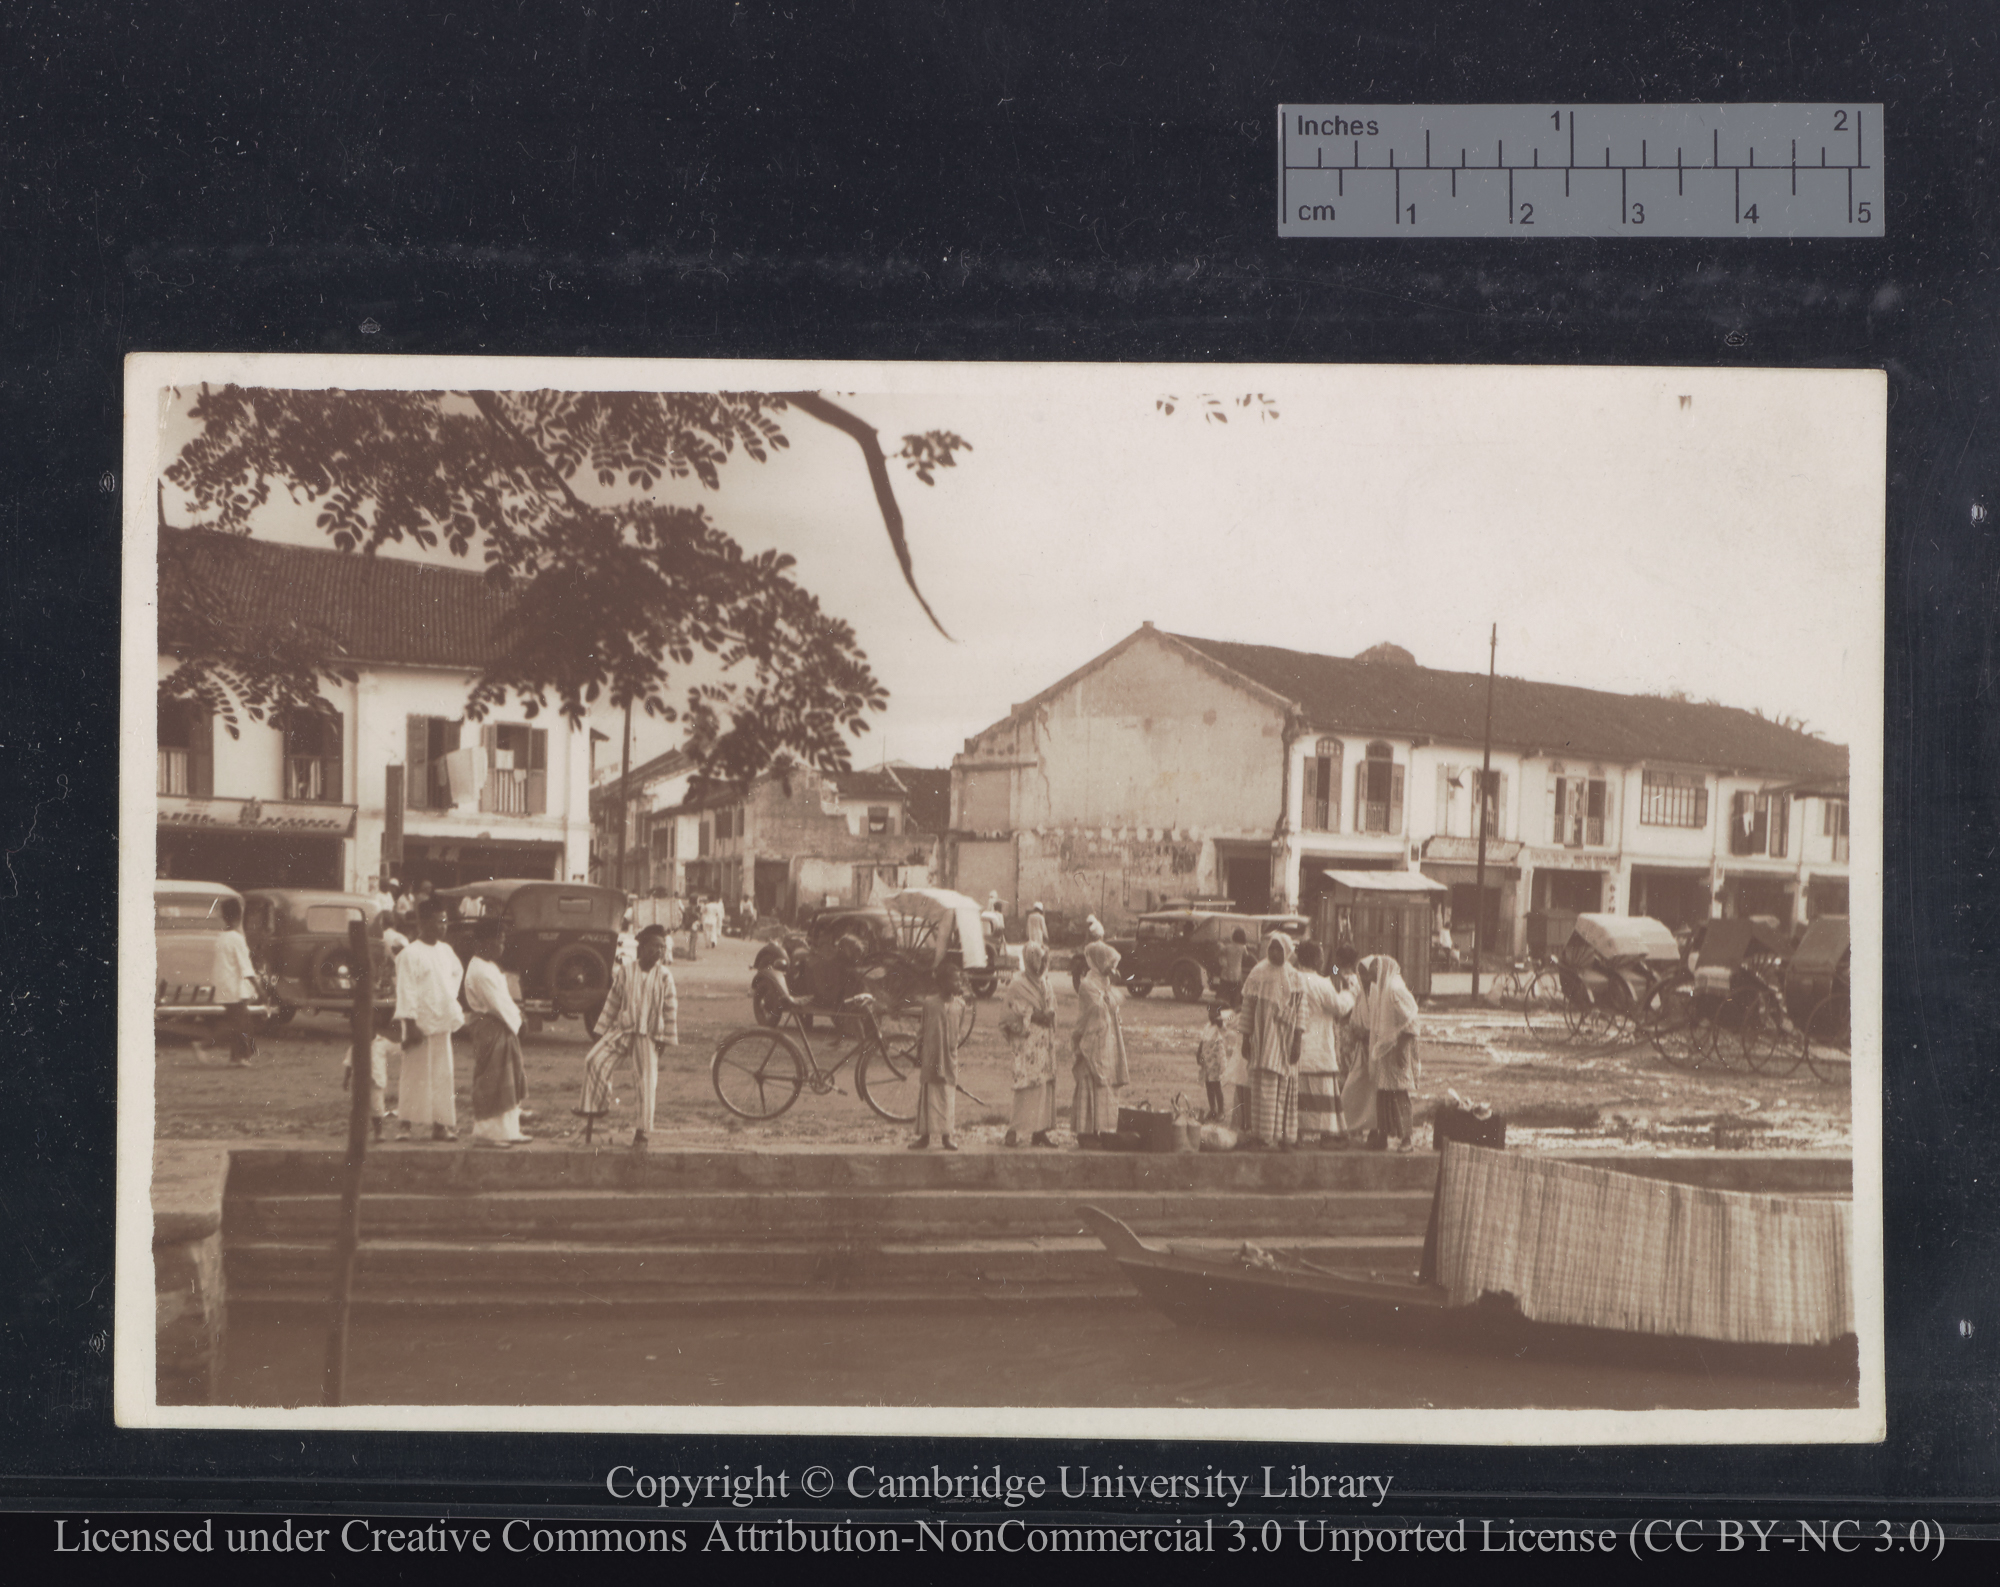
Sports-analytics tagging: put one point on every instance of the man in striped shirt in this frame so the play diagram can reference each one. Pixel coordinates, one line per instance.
(640, 1016)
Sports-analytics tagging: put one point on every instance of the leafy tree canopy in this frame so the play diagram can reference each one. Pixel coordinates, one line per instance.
(612, 590)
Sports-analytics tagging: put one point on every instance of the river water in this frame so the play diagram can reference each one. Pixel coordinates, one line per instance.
(1103, 1354)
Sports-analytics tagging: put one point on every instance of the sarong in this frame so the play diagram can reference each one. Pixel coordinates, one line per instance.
(1034, 1108)
(1274, 1105)
(498, 1082)
(1094, 1109)
(425, 1086)
(937, 1109)
(1392, 1114)
(1319, 1102)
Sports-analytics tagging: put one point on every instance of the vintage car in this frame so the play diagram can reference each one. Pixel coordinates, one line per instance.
(1180, 947)
(562, 939)
(298, 940)
(187, 919)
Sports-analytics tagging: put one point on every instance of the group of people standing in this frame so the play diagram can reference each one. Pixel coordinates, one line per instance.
(438, 997)
(1322, 1060)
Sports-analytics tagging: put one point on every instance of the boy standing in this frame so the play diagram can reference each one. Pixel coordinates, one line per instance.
(235, 982)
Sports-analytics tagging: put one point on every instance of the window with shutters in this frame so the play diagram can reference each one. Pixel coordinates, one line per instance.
(426, 783)
(878, 820)
(186, 750)
(1673, 799)
(1760, 824)
(312, 756)
(517, 779)
(1458, 808)
(1580, 811)
(1320, 808)
(1378, 792)
(1833, 821)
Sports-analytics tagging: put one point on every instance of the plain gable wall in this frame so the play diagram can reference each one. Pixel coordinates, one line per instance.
(1149, 739)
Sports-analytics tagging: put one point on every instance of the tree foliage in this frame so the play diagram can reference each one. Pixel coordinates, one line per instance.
(611, 589)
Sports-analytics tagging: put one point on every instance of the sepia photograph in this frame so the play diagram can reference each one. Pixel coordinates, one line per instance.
(1258, 902)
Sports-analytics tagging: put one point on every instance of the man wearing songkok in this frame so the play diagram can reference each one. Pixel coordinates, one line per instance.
(640, 1016)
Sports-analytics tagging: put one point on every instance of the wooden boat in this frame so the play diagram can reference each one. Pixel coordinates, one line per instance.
(1261, 1289)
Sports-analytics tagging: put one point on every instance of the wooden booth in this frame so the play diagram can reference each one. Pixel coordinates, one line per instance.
(1388, 912)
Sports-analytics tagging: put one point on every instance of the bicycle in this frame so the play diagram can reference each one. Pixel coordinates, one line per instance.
(759, 1071)
(1532, 988)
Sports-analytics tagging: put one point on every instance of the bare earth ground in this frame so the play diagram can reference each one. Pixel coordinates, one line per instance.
(1553, 1097)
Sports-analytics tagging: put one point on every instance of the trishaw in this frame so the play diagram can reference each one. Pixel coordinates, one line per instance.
(1615, 974)
(1737, 1014)
(1817, 996)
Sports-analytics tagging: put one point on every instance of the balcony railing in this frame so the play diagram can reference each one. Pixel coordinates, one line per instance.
(505, 793)
(174, 771)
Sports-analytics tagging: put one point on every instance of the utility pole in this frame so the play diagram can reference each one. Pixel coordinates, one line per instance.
(625, 797)
(1485, 778)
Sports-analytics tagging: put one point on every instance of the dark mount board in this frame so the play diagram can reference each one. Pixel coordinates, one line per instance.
(914, 181)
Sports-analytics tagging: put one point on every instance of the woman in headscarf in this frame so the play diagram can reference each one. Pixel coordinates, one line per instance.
(937, 1062)
(1028, 1021)
(493, 1036)
(1099, 1045)
(1273, 1019)
(1388, 1010)
(1327, 1003)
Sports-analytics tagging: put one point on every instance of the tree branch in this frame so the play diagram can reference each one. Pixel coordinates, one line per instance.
(865, 437)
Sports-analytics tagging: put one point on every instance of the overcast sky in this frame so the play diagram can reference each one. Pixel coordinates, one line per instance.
(1628, 529)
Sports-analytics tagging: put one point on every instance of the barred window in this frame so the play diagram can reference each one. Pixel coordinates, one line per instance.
(1673, 799)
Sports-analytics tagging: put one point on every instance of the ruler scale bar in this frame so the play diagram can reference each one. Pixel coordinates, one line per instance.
(1755, 188)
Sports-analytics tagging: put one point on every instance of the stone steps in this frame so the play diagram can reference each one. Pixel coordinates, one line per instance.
(520, 1273)
(552, 1225)
(825, 1218)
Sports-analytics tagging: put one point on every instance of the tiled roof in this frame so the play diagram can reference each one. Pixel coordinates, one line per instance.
(383, 608)
(1342, 694)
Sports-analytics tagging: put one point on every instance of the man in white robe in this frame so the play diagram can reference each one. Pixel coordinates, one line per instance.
(428, 976)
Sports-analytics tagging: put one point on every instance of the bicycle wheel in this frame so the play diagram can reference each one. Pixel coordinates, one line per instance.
(1826, 1041)
(1542, 1007)
(1588, 1024)
(1762, 1034)
(758, 1073)
(888, 1081)
(1672, 1023)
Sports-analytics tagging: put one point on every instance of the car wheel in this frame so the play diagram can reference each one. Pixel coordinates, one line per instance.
(332, 971)
(1190, 981)
(1138, 988)
(579, 970)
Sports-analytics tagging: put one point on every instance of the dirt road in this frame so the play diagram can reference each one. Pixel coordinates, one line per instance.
(1551, 1096)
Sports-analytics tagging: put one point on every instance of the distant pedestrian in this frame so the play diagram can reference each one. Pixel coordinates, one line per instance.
(640, 1016)
(499, 1082)
(384, 899)
(937, 1062)
(234, 979)
(428, 976)
(1389, 1010)
(1101, 1068)
(1273, 1016)
(1211, 1057)
(1326, 1006)
(405, 909)
(691, 922)
(1038, 925)
(712, 916)
(1093, 928)
(1231, 959)
(1029, 1024)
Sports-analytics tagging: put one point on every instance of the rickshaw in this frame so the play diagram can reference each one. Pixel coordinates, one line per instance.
(1615, 972)
(1737, 1013)
(1816, 996)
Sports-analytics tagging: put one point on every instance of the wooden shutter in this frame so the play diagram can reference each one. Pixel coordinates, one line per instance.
(538, 771)
(417, 757)
(1701, 802)
(1610, 814)
(1330, 785)
(1441, 816)
(1360, 794)
(1499, 826)
(200, 751)
(1396, 799)
(1558, 809)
